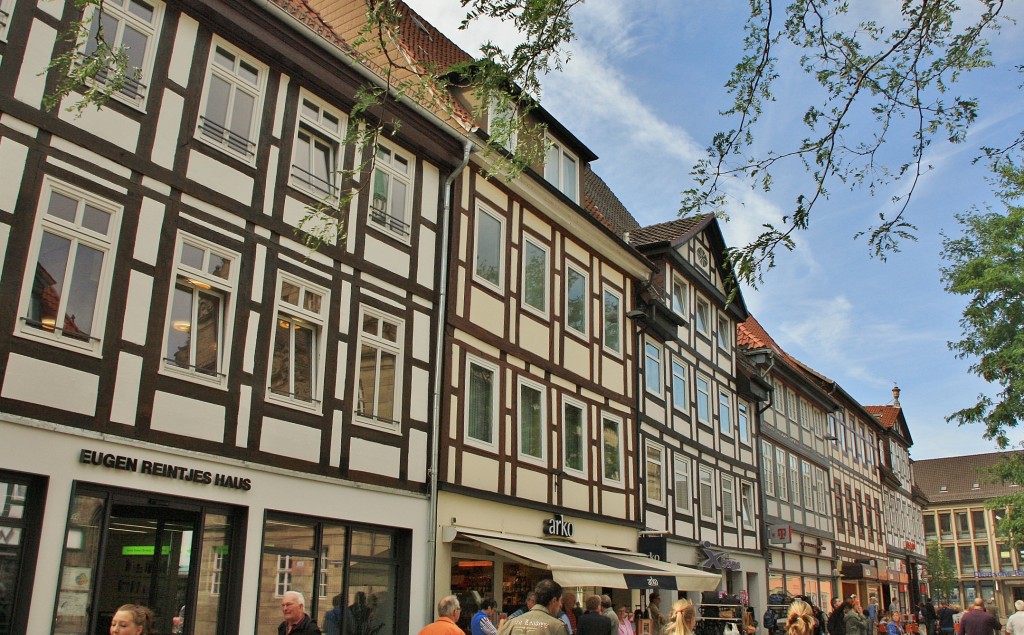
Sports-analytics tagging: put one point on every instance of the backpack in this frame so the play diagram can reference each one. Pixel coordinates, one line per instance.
(770, 620)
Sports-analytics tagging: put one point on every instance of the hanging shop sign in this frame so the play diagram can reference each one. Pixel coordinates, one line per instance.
(558, 527)
(780, 534)
(165, 470)
(718, 559)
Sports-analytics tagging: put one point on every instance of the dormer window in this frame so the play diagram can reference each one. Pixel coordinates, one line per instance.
(943, 488)
(561, 169)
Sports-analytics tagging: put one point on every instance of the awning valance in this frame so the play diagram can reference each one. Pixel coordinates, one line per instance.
(577, 565)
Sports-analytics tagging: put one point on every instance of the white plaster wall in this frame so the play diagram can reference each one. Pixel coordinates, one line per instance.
(168, 128)
(374, 458)
(147, 238)
(219, 177)
(288, 439)
(12, 157)
(187, 417)
(124, 405)
(184, 46)
(105, 123)
(38, 51)
(136, 309)
(52, 385)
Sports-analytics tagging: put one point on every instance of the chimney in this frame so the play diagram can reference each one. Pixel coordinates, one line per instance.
(896, 396)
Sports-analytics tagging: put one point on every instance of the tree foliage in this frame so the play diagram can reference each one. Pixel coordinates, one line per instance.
(986, 264)
(1009, 509)
(942, 574)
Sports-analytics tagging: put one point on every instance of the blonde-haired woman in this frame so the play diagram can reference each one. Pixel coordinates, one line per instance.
(132, 619)
(799, 619)
(682, 619)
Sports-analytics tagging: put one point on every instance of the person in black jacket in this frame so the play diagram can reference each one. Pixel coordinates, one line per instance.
(835, 623)
(296, 621)
(594, 622)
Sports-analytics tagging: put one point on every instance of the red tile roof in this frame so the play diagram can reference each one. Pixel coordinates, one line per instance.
(672, 232)
(887, 415)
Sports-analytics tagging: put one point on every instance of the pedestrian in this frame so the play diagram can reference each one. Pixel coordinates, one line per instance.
(542, 619)
(799, 618)
(531, 599)
(483, 621)
(682, 620)
(854, 620)
(594, 621)
(132, 619)
(977, 621)
(835, 619)
(296, 620)
(625, 621)
(448, 610)
(928, 615)
(895, 626)
(654, 610)
(945, 615)
(609, 611)
(1015, 623)
(568, 612)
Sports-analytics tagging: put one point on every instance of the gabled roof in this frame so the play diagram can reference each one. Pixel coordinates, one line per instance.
(958, 475)
(674, 232)
(892, 418)
(599, 200)
(751, 335)
(888, 416)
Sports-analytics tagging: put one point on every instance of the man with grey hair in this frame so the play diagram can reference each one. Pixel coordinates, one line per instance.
(448, 611)
(296, 621)
(1015, 623)
(609, 611)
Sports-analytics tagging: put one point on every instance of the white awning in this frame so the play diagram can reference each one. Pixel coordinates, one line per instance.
(590, 565)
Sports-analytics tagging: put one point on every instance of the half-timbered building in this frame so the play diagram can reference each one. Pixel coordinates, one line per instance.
(198, 412)
(700, 486)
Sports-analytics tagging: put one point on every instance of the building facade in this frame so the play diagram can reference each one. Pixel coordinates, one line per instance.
(198, 412)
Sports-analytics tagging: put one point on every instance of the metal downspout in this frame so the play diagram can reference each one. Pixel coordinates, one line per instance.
(439, 367)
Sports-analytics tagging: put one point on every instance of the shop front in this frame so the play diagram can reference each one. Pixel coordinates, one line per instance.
(210, 545)
(486, 550)
(865, 581)
(800, 564)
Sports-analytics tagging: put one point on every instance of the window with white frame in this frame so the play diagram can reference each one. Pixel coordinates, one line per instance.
(780, 473)
(681, 475)
(129, 26)
(703, 317)
(725, 412)
(805, 414)
(531, 420)
(561, 169)
(742, 421)
(296, 356)
(652, 367)
(747, 504)
(197, 335)
(703, 400)
(65, 298)
(654, 469)
(810, 502)
(724, 333)
(822, 493)
(612, 321)
(778, 397)
(574, 431)
(380, 362)
(728, 500)
(233, 101)
(535, 276)
(317, 154)
(794, 480)
(679, 296)
(481, 401)
(576, 300)
(680, 398)
(391, 205)
(217, 553)
(768, 467)
(611, 448)
(502, 124)
(488, 264)
(791, 409)
(707, 493)
(283, 583)
(6, 9)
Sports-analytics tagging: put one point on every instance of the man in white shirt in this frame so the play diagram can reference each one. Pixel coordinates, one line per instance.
(1015, 623)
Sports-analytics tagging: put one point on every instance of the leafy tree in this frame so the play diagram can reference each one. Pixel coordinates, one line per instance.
(986, 264)
(1009, 509)
(942, 575)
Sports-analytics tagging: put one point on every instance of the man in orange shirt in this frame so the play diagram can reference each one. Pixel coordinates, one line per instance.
(448, 611)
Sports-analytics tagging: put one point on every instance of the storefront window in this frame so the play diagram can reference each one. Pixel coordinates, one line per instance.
(794, 585)
(776, 589)
(215, 548)
(349, 576)
(472, 581)
(17, 495)
(517, 582)
(78, 565)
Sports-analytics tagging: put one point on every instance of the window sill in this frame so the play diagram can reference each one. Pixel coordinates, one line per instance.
(91, 347)
(314, 407)
(377, 424)
(246, 159)
(218, 381)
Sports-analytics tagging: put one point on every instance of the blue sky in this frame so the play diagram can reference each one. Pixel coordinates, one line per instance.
(652, 74)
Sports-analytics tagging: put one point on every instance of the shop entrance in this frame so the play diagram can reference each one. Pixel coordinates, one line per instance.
(147, 560)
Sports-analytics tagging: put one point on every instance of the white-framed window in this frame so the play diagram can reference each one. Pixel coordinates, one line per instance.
(728, 500)
(574, 431)
(232, 101)
(791, 408)
(532, 421)
(679, 296)
(778, 397)
(216, 567)
(378, 388)
(742, 421)
(132, 27)
(391, 205)
(489, 261)
(706, 494)
(535, 276)
(703, 400)
(481, 401)
(794, 480)
(502, 122)
(680, 396)
(576, 309)
(6, 9)
(780, 474)
(316, 158)
(768, 467)
(612, 312)
(805, 414)
(747, 505)
(822, 493)
(725, 412)
(296, 359)
(64, 299)
(611, 448)
(809, 499)
(652, 367)
(561, 169)
(682, 493)
(323, 587)
(724, 333)
(703, 317)
(654, 469)
(283, 581)
(197, 338)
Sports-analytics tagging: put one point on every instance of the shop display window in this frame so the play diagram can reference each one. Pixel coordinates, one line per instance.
(19, 505)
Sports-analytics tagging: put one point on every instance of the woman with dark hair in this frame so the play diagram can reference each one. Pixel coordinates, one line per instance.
(132, 619)
(855, 621)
